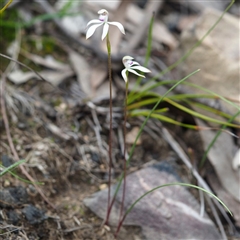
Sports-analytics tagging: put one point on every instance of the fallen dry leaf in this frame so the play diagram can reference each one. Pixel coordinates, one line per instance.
(82, 71)
(54, 77)
(102, 93)
(236, 161)
(220, 156)
(48, 62)
(98, 75)
(165, 37)
(218, 56)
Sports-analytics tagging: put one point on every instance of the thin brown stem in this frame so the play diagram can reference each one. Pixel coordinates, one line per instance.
(10, 141)
(124, 154)
(110, 128)
(125, 160)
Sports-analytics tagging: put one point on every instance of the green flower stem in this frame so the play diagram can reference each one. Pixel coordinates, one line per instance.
(110, 127)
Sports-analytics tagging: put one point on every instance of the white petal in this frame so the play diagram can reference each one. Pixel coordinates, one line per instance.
(135, 63)
(102, 11)
(105, 30)
(124, 75)
(92, 29)
(141, 68)
(94, 21)
(119, 25)
(132, 71)
(127, 58)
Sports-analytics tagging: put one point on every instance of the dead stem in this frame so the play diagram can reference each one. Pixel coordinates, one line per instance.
(10, 141)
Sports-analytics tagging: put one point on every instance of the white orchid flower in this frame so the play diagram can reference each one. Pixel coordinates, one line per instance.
(130, 66)
(103, 20)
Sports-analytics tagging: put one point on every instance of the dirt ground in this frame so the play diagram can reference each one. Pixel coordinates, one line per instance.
(70, 170)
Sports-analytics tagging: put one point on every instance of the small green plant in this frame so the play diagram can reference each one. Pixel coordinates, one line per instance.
(103, 21)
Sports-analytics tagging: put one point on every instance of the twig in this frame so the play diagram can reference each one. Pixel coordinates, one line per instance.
(215, 214)
(15, 154)
(22, 64)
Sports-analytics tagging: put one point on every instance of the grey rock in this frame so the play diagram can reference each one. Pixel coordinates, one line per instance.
(33, 214)
(167, 213)
(13, 196)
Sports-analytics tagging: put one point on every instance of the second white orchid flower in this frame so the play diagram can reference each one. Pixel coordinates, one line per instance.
(131, 66)
(103, 20)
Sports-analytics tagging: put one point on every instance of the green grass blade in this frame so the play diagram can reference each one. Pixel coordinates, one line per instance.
(210, 109)
(215, 139)
(145, 122)
(214, 94)
(142, 91)
(174, 184)
(154, 108)
(162, 118)
(199, 115)
(177, 105)
(11, 167)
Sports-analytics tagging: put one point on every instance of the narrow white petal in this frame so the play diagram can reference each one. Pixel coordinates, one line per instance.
(141, 68)
(132, 71)
(124, 75)
(91, 30)
(94, 21)
(135, 63)
(105, 30)
(119, 25)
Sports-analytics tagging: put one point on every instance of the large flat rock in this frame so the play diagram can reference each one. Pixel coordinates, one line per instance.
(167, 213)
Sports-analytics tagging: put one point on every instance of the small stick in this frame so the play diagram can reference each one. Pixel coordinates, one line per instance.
(10, 141)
